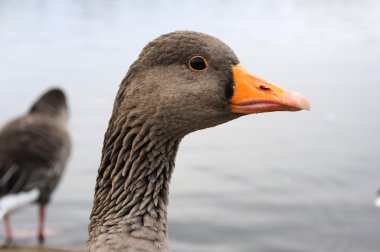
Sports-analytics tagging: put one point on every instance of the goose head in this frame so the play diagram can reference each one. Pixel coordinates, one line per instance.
(53, 104)
(181, 82)
(186, 81)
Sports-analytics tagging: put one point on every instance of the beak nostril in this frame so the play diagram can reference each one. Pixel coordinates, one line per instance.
(265, 88)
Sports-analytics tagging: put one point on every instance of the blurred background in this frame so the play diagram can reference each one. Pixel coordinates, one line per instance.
(272, 182)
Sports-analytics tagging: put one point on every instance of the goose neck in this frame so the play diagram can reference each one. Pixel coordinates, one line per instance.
(131, 195)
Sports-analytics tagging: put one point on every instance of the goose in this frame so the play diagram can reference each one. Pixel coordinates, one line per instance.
(34, 149)
(181, 82)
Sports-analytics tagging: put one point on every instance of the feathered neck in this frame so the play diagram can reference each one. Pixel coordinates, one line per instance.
(132, 188)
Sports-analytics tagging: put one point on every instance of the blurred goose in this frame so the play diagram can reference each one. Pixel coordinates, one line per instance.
(181, 82)
(34, 149)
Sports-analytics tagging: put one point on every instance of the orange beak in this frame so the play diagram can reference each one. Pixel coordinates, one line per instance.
(255, 95)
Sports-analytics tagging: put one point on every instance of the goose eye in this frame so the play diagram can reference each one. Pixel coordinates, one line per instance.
(198, 63)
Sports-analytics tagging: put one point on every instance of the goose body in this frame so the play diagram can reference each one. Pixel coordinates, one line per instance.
(34, 149)
(182, 82)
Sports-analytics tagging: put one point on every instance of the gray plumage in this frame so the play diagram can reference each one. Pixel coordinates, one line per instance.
(182, 82)
(159, 101)
(34, 148)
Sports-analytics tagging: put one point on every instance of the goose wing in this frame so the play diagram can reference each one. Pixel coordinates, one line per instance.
(33, 152)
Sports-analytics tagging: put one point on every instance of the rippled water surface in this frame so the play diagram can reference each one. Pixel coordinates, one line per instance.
(275, 182)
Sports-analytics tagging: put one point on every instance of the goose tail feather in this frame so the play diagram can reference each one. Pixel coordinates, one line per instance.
(12, 202)
(377, 202)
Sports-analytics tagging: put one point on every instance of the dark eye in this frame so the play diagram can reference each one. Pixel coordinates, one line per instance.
(198, 63)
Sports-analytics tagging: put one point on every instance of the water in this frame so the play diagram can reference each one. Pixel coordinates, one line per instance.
(284, 182)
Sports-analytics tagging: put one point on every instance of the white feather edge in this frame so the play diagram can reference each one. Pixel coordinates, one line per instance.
(12, 202)
(377, 202)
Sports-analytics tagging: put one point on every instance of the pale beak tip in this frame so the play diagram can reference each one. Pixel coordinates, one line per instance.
(301, 100)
